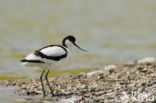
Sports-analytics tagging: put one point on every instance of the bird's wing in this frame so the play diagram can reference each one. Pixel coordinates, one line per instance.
(52, 52)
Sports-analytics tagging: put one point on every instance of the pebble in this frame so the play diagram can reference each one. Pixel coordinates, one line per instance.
(151, 84)
(110, 67)
(90, 74)
(146, 60)
(82, 75)
(131, 63)
(84, 86)
(73, 99)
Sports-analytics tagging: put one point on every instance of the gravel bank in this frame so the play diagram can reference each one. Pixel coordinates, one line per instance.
(134, 81)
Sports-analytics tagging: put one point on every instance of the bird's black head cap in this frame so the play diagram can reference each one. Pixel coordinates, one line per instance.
(70, 38)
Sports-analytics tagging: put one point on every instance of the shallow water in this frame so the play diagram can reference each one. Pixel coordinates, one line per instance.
(112, 32)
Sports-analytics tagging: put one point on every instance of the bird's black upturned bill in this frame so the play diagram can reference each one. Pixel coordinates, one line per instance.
(80, 48)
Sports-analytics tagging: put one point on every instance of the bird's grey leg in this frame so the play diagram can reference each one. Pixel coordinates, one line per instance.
(42, 83)
(46, 77)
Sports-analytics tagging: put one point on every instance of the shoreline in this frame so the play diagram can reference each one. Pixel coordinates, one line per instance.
(133, 81)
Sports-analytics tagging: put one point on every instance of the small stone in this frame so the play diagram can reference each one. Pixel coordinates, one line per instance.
(28, 93)
(140, 67)
(90, 74)
(130, 63)
(92, 90)
(100, 76)
(151, 84)
(73, 99)
(146, 60)
(84, 86)
(82, 75)
(110, 67)
(111, 97)
(143, 84)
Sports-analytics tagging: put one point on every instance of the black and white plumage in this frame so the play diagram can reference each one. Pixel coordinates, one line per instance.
(52, 57)
(46, 56)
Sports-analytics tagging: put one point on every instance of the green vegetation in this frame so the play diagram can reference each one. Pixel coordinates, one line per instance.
(58, 73)
(19, 75)
(12, 78)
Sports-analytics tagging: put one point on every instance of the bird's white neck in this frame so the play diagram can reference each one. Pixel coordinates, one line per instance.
(72, 49)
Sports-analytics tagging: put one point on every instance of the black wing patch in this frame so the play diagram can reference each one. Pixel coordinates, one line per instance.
(32, 61)
(55, 58)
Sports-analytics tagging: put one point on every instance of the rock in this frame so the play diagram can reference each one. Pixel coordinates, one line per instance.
(73, 99)
(100, 76)
(90, 74)
(151, 84)
(84, 86)
(146, 60)
(110, 67)
(130, 63)
(82, 75)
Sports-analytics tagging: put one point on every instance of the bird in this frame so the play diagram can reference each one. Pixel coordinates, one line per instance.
(52, 57)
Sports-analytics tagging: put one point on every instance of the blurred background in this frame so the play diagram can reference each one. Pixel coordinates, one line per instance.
(113, 31)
